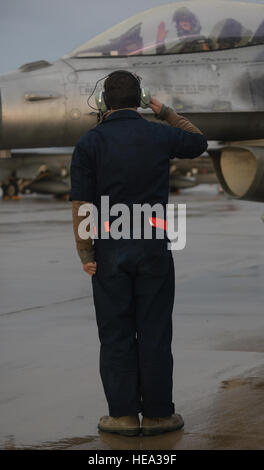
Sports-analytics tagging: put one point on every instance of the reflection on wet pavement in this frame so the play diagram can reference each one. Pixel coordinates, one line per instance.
(234, 420)
(51, 394)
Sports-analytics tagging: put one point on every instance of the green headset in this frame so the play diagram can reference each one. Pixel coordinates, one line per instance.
(143, 94)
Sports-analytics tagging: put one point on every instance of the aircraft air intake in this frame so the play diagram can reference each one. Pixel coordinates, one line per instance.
(240, 170)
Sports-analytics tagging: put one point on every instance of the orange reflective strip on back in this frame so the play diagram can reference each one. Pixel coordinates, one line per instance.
(106, 226)
(154, 221)
(159, 223)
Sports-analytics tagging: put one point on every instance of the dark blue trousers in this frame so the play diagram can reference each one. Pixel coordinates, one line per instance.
(133, 291)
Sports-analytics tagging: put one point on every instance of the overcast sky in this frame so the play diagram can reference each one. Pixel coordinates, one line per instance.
(47, 29)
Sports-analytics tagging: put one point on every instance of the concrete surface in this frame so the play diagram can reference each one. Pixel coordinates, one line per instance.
(51, 395)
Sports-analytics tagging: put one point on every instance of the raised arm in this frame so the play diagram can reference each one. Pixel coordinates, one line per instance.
(176, 120)
(185, 140)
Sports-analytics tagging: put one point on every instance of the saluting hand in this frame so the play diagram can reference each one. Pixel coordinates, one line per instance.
(155, 105)
(90, 267)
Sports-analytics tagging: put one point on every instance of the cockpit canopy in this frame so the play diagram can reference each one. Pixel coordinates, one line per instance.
(180, 27)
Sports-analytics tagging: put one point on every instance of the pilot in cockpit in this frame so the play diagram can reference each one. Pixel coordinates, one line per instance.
(188, 31)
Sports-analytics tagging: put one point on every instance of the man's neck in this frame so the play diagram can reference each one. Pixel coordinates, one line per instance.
(107, 113)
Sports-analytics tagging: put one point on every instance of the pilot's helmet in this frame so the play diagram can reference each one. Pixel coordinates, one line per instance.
(184, 14)
(232, 29)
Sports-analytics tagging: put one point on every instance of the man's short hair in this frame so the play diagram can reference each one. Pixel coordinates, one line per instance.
(121, 91)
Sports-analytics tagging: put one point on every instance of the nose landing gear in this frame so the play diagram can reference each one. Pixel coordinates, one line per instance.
(10, 188)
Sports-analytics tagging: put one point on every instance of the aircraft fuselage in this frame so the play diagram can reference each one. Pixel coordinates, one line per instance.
(220, 91)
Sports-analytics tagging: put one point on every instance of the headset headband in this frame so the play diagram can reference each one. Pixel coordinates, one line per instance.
(144, 95)
(130, 74)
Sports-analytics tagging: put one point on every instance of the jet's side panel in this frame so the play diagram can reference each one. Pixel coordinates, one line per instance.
(217, 81)
(219, 91)
(79, 81)
(33, 109)
(48, 107)
(213, 81)
(79, 116)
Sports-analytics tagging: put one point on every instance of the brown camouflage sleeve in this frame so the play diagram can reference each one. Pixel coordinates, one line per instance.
(176, 120)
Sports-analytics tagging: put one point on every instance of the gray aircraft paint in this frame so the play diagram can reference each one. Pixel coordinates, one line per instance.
(45, 105)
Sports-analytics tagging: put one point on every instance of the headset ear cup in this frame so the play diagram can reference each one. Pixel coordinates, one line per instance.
(100, 102)
(145, 97)
(106, 105)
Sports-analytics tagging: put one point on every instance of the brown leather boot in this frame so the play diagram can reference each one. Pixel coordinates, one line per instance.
(125, 425)
(152, 426)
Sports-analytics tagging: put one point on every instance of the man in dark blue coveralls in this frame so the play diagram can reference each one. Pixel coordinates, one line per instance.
(126, 157)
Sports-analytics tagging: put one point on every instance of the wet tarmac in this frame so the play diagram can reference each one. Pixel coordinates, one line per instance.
(51, 395)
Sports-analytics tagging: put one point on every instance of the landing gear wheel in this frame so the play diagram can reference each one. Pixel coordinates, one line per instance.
(10, 191)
